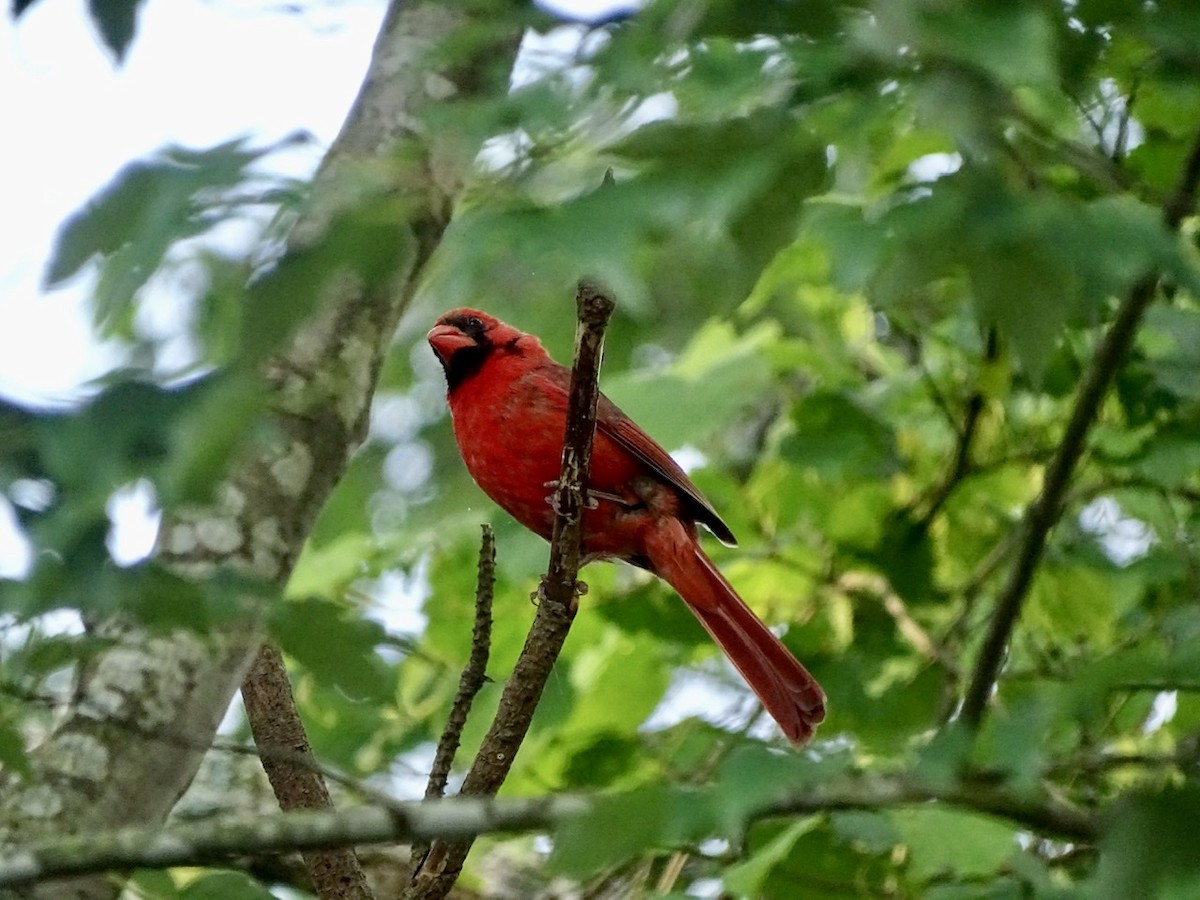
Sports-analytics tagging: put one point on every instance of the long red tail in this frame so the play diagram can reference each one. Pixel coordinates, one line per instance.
(787, 690)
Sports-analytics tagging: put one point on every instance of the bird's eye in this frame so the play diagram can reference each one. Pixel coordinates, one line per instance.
(473, 322)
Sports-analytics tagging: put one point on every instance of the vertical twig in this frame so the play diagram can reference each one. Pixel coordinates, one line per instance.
(469, 683)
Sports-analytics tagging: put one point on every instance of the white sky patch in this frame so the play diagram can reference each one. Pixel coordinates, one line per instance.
(590, 10)
(74, 119)
(1124, 539)
(1162, 712)
(62, 621)
(397, 598)
(933, 166)
(16, 554)
(134, 517)
(696, 694)
(689, 458)
(705, 888)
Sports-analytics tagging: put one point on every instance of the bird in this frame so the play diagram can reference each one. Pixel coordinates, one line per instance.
(508, 407)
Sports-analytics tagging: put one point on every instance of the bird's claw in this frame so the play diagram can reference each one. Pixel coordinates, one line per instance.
(580, 590)
(591, 497)
(590, 500)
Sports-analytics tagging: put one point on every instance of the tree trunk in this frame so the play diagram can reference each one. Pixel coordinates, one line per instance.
(146, 710)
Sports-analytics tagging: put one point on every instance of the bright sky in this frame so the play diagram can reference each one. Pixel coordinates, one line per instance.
(196, 74)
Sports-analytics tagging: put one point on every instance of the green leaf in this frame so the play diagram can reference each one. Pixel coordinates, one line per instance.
(1028, 294)
(1012, 42)
(1150, 846)
(1169, 105)
(873, 832)
(754, 776)
(154, 884)
(838, 438)
(717, 376)
(945, 842)
(620, 826)
(334, 643)
(13, 754)
(116, 21)
(746, 878)
(1172, 459)
(225, 886)
(149, 206)
(1170, 339)
(1072, 603)
(906, 555)
(618, 679)
(604, 762)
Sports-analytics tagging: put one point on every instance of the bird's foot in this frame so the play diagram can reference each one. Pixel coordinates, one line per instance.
(591, 497)
(581, 588)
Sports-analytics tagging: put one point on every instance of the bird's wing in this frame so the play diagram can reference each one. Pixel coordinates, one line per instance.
(622, 429)
(554, 386)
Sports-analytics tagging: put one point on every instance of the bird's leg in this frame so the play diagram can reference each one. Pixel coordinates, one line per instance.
(591, 497)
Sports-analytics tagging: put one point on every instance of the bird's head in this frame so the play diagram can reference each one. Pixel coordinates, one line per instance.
(463, 340)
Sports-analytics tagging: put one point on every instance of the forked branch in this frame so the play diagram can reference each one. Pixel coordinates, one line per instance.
(557, 596)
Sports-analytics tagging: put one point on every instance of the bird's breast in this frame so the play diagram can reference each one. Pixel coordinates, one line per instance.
(510, 432)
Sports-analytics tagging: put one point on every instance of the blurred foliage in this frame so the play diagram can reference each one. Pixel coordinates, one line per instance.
(114, 20)
(863, 253)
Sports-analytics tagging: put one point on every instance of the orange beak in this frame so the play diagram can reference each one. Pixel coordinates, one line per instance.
(446, 340)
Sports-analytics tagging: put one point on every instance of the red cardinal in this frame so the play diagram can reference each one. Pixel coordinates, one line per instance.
(508, 400)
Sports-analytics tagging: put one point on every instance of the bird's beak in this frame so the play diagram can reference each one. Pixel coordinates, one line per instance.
(446, 340)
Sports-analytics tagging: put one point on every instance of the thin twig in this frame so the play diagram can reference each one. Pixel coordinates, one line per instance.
(671, 872)
(473, 677)
(961, 466)
(475, 674)
(1047, 815)
(1045, 510)
(275, 723)
(909, 628)
(557, 594)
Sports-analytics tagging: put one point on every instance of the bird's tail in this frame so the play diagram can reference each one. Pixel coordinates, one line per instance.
(787, 690)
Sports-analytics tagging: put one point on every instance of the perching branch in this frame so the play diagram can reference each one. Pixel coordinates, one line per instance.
(961, 466)
(1044, 815)
(1046, 509)
(557, 595)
